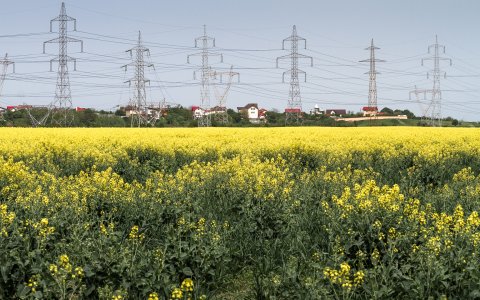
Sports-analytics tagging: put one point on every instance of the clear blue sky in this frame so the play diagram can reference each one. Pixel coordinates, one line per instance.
(249, 34)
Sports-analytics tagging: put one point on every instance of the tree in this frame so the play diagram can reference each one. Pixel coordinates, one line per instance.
(409, 114)
(87, 118)
(387, 111)
(272, 117)
(120, 113)
(235, 116)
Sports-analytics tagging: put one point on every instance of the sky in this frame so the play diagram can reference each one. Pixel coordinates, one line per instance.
(249, 34)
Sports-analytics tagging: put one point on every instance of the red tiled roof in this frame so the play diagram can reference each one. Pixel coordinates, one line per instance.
(370, 108)
(293, 110)
(262, 112)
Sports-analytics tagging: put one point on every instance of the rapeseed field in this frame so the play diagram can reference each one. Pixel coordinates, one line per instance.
(224, 213)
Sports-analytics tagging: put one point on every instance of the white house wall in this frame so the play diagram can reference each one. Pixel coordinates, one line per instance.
(253, 113)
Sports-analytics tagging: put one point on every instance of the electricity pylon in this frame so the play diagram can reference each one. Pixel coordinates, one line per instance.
(434, 110)
(372, 107)
(207, 43)
(220, 111)
(140, 114)
(293, 112)
(61, 107)
(3, 71)
(424, 110)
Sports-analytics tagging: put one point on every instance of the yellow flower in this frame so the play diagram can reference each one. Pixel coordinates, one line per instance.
(53, 269)
(377, 225)
(187, 285)
(177, 293)
(103, 229)
(276, 280)
(134, 233)
(79, 272)
(344, 268)
(64, 259)
(358, 278)
(347, 285)
(44, 222)
(153, 296)
(316, 256)
(392, 233)
(375, 256)
(33, 283)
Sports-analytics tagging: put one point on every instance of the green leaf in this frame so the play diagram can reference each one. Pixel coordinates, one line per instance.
(474, 294)
(187, 271)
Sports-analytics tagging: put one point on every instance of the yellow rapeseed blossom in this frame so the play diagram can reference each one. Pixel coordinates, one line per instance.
(377, 225)
(177, 293)
(103, 229)
(6, 219)
(33, 283)
(358, 278)
(64, 260)
(53, 269)
(153, 296)
(134, 235)
(375, 256)
(344, 276)
(187, 285)
(79, 272)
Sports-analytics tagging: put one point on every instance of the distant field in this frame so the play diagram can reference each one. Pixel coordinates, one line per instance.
(257, 213)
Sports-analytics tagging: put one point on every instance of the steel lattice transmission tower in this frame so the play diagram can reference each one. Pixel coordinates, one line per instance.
(220, 111)
(61, 107)
(293, 112)
(372, 108)
(3, 72)
(140, 113)
(433, 113)
(417, 92)
(207, 43)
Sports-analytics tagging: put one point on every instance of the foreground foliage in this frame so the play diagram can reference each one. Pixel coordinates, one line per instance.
(287, 213)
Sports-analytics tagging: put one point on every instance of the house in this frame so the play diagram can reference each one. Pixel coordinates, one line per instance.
(262, 115)
(317, 111)
(130, 110)
(293, 110)
(250, 110)
(80, 109)
(252, 113)
(14, 108)
(335, 112)
(370, 111)
(197, 112)
(218, 109)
